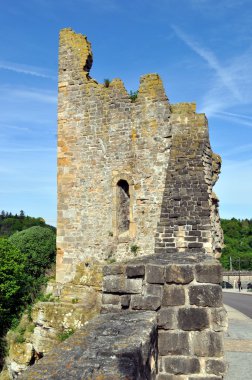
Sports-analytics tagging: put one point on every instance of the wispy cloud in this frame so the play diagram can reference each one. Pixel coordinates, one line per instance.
(238, 115)
(31, 94)
(229, 85)
(209, 57)
(26, 69)
(13, 127)
(234, 118)
(238, 150)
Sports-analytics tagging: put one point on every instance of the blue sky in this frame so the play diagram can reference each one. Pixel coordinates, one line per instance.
(202, 50)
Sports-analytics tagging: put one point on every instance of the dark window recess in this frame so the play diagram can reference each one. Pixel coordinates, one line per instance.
(123, 206)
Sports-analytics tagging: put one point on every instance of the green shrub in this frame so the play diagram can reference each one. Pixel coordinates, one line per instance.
(38, 245)
(47, 298)
(133, 96)
(65, 334)
(134, 248)
(13, 283)
(75, 300)
(106, 82)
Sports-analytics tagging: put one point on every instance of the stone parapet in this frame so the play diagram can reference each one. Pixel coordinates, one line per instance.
(183, 289)
(162, 317)
(110, 347)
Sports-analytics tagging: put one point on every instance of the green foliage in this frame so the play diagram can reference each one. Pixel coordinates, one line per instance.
(238, 243)
(11, 223)
(46, 298)
(133, 96)
(65, 334)
(24, 261)
(134, 248)
(38, 244)
(106, 82)
(24, 329)
(75, 300)
(13, 283)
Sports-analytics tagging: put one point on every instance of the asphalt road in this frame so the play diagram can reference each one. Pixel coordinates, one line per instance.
(241, 302)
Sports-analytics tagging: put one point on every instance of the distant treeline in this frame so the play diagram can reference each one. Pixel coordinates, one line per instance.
(238, 243)
(10, 223)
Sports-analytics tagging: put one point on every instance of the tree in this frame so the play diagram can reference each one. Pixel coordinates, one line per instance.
(13, 282)
(11, 223)
(21, 214)
(38, 245)
(238, 243)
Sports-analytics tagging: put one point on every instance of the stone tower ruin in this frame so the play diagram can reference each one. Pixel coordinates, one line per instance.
(135, 177)
(138, 235)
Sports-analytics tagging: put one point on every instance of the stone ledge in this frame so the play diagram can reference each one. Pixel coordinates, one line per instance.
(110, 347)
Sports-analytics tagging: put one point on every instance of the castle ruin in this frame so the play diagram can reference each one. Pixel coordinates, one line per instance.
(134, 177)
(138, 234)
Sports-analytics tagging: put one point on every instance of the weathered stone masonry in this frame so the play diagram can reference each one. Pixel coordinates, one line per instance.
(160, 150)
(162, 319)
(135, 182)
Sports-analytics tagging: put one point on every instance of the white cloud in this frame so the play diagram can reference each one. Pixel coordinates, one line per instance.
(26, 69)
(239, 120)
(30, 94)
(229, 86)
(237, 150)
(209, 57)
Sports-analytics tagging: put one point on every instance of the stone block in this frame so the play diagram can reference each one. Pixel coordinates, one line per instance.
(218, 318)
(110, 309)
(195, 245)
(125, 301)
(167, 318)
(205, 295)
(135, 270)
(215, 367)
(173, 343)
(119, 284)
(153, 289)
(207, 343)
(180, 365)
(112, 299)
(191, 319)
(179, 274)
(114, 284)
(113, 269)
(209, 273)
(155, 274)
(173, 295)
(134, 285)
(139, 302)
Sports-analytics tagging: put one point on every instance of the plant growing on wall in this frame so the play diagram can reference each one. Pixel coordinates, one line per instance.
(106, 82)
(134, 248)
(133, 96)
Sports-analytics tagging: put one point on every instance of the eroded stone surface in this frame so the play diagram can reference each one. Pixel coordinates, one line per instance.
(109, 347)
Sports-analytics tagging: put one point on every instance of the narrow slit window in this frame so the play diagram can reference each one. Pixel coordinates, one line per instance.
(123, 206)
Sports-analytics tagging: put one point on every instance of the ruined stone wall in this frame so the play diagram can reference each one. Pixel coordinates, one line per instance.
(163, 318)
(189, 211)
(104, 137)
(183, 289)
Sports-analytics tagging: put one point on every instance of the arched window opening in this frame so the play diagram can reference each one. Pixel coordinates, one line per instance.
(123, 206)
